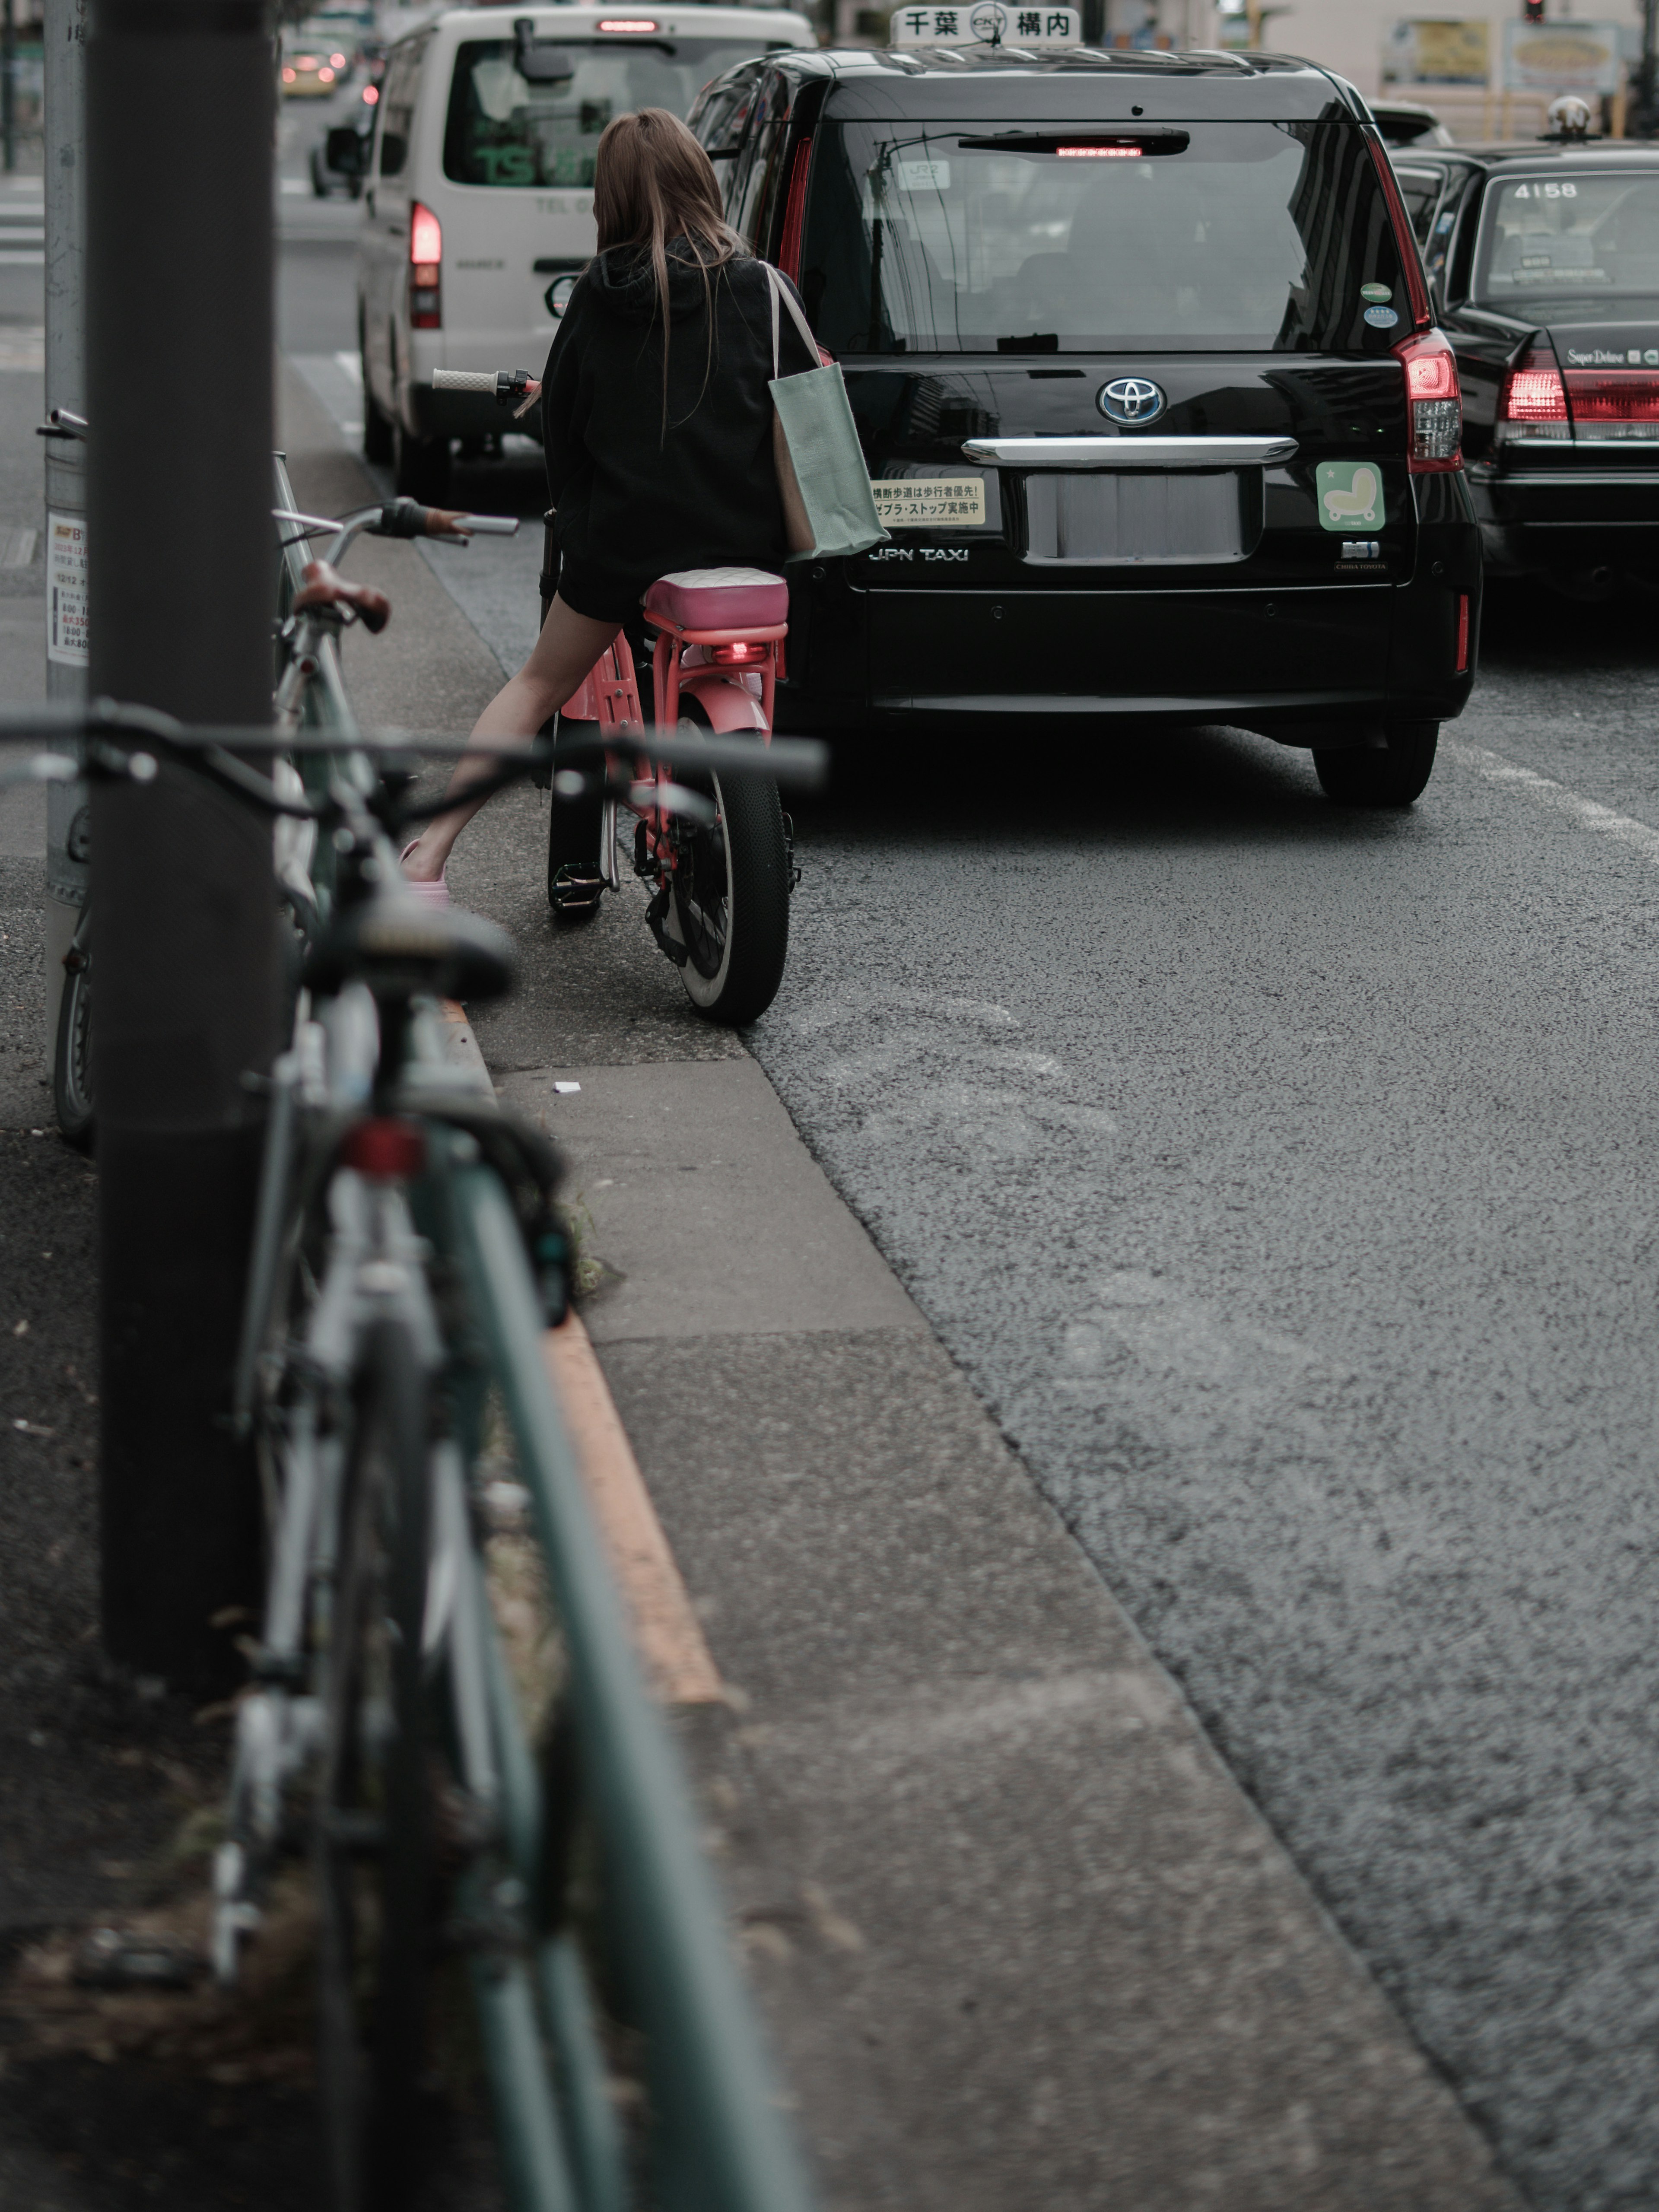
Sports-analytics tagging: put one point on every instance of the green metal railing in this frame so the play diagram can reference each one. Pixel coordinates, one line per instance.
(716, 2138)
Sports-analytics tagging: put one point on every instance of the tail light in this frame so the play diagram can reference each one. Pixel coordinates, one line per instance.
(1461, 667)
(385, 1148)
(426, 253)
(737, 655)
(1434, 402)
(1534, 400)
(1614, 403)
(794, 214)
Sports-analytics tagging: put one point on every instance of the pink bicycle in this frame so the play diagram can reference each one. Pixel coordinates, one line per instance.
(721, 873)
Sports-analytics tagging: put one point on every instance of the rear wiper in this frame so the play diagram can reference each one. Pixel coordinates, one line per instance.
(1082, 143)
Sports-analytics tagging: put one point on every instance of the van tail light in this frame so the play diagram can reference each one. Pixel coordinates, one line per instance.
(794, 214)
(1461, 667)
(1434, 402)
(426, 253)
(1617, 402)
(1411, 261)
(1533, 401)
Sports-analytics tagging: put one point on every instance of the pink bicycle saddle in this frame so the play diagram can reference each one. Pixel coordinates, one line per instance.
(719, 598)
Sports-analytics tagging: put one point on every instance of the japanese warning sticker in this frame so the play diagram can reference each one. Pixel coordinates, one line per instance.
(1349, 492)
(66, 589)
(930, 503)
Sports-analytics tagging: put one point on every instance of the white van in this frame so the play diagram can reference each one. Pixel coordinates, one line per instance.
(478, 202)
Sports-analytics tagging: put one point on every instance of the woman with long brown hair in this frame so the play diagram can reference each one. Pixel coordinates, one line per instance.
(657, 420)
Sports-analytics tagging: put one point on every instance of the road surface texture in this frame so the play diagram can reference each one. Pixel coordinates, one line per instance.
(1281, 1177)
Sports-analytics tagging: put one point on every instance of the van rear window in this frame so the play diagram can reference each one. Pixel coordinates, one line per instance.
(1043, 237)
(503, 130)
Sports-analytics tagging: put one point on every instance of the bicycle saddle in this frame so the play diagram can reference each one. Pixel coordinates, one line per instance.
(323, 586)
(719, 598)
(403, 950)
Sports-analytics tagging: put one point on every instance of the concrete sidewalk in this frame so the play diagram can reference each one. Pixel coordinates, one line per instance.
(1021, 1940)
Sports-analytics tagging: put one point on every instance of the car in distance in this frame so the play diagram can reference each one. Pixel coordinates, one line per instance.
(1140, 348)
(1544, 264)
(478, 202)
(317, 60)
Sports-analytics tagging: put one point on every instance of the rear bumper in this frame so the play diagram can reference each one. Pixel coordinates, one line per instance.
(1534, 520)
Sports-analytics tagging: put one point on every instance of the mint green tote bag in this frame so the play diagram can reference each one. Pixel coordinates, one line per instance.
(827, 505)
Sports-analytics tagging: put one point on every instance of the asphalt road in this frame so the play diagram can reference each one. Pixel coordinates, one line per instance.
(1282, 1178)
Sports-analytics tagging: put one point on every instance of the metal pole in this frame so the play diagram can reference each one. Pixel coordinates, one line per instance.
(182, 575)
(9, 84)
(67, 819)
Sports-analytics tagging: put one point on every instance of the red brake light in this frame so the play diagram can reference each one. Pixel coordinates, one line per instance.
(1618, 403)
(426, 253)
(325, 76)
(288, 76)
(385, 1147)
(336, 61)
(1534, 393)
(1434, 402)
(1098, 153)
(624, 23)
(426, 237)
(1416, 290)
(737, 655)
(371, 94)
(794, 213)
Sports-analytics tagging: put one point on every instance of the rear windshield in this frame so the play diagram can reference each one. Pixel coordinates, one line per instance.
(1583, 249)
(501, 130)
(1257, 236)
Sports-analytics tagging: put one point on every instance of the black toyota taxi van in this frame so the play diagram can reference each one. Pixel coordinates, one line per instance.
(1140, 351)
(1543, 264)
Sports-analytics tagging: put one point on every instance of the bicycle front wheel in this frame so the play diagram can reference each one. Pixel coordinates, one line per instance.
(71, 1065)
(731, 893)
(372, 1842)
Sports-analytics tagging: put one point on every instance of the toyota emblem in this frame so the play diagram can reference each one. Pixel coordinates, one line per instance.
(1130, 399)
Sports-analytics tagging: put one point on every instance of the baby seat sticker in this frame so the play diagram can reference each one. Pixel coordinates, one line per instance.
(1349, 492)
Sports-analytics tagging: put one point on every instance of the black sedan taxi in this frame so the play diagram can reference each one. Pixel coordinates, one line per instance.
(1140, 349)
(1544, 264)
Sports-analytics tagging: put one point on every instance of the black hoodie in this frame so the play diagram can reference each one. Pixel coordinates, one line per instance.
(637, 499)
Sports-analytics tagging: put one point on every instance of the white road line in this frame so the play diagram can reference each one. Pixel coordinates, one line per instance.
(1637, 836)
(352, 366)
(22, 260)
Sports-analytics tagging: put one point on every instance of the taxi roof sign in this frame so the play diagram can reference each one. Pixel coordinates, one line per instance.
(985, 23)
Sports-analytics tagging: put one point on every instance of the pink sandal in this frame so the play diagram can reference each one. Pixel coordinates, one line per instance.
(433, 893)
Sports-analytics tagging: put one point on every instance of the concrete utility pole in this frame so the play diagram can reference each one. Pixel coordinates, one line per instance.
(67, 817)
(183, 575)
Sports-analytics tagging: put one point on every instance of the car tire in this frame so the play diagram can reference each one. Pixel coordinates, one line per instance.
(420, 466)
(1393, 776)
(319, 181)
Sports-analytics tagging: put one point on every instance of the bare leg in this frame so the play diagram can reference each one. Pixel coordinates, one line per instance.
(568, 647)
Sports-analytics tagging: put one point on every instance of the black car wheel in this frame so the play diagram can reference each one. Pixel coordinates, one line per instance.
(1391, 777)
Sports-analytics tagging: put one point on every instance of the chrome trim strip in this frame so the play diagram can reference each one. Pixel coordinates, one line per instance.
(1132, 452)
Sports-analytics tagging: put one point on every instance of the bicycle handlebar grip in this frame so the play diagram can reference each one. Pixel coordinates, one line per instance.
(464, 380)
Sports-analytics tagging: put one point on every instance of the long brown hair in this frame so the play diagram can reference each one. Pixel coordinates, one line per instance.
(654, 185)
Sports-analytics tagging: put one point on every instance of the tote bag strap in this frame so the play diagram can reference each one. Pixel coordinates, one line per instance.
(779, 291)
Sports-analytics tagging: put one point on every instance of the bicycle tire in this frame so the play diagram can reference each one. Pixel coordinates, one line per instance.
(735, 959)
(372, 1836)
(71, 1059)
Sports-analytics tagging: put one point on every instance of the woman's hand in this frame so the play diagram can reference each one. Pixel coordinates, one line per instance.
(532, 392)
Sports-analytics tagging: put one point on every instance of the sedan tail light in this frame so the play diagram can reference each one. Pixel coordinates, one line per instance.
(1533, 401)
(1614, 403)
(426, 253)
(1434, 401)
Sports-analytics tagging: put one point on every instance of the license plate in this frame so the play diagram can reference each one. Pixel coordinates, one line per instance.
(1139, 515)
(930, 503)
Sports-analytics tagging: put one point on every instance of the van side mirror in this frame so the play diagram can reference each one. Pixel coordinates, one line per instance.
(344, 150)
